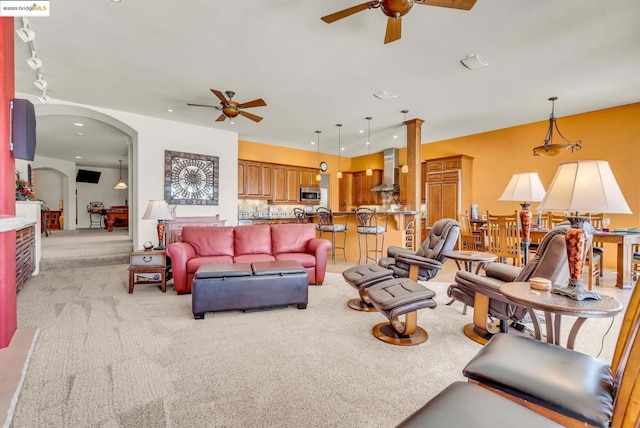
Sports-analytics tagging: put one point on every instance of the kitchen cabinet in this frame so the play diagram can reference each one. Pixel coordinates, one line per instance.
(255, 180)
(286, 184)
(293, 184)
(308, 177)
(448, 188)
(362, 185)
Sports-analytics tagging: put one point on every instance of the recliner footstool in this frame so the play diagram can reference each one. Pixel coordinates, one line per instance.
(401, 296)
(244, 286)
(361, 278)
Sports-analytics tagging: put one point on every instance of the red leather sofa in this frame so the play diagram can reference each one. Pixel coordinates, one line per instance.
(247, 244)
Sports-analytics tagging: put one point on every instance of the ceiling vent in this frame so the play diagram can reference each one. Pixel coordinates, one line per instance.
(384, 95)
(474, 62)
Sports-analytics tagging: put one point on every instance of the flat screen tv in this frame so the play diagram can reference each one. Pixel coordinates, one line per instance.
(23, 129)
(86, 176)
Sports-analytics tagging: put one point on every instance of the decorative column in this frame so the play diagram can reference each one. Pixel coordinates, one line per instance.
(8, 317)
(414, 176)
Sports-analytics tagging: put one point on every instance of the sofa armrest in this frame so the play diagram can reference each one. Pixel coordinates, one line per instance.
(502, 271)
(180, 253)
(319, 248)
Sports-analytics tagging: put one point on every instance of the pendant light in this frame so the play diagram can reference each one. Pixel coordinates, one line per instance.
(548, 147)
(318, 175)
(339, 173)
(369, 170)
(121, 184)
(405, 167)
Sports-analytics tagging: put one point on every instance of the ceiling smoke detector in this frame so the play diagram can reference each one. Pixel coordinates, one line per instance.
(473, 62)
(384, 95)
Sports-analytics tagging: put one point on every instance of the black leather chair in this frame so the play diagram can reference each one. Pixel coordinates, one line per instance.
(482, 291)
(428, 260)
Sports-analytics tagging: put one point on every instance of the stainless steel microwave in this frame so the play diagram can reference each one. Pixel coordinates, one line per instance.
(309, 194)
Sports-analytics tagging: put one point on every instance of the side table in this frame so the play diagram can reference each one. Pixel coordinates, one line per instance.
(148, 267)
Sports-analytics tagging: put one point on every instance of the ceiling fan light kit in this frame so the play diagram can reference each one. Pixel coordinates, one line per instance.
(395, 10)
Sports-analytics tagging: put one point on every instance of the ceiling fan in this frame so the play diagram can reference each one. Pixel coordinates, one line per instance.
(231, 109)
(395, 10)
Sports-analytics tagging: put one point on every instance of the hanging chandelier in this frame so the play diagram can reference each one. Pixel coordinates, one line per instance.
(548, 147)
(121, 184)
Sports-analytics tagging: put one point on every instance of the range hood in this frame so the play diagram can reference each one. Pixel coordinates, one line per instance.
(390, 174)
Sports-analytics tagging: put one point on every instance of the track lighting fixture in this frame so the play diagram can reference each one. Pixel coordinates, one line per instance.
(34, 62)
(25, 33)
(41, 83)
(44, 98)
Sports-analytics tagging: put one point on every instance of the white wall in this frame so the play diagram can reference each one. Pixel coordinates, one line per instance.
(67, 176)
(48, 186)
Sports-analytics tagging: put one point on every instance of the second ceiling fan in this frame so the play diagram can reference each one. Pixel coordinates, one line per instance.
(231, 109)
(395, 10)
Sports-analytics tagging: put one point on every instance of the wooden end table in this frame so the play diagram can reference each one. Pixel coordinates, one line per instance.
(469, 258)
(148, 267)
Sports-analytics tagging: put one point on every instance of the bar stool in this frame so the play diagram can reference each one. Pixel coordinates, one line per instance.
(327, 223)
(370, 224)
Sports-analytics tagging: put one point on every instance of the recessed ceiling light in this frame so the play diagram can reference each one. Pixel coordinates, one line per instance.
(313, 143)
(361, 131)
(79, 133)
(384, 95)
(367, 143)
(473, 62)
(170, 110)
(78, 157)
(116, 1)
(231, 122)
(78, 124)
(395, 136)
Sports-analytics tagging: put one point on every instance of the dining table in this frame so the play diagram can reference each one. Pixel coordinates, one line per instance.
(624, 240)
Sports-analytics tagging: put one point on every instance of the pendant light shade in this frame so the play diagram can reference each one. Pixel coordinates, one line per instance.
(369, 171)
(339, 173)
(121, 184)
(318, 175)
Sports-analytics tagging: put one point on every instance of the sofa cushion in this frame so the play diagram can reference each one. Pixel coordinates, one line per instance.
(210, 241)
(194, 264)
(291, 238)
(306, 260)
(252, 240)
(250, 258)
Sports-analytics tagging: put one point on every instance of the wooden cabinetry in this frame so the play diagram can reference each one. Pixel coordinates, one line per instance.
(448, 189)
(25, 254)
(293, 184)
(255, 180)
(362, 185)
(308, 177)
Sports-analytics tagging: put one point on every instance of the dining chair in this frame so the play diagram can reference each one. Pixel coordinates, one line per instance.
(635, 262)
(469, 240)
(335, 225)
(503, 237)
(301, 216)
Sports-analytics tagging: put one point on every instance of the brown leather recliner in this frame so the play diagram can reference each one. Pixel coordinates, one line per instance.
(483, 291)
(430, 257)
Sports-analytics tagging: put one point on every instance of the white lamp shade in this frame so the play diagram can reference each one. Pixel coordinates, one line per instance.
(585, 186)
(157, 210)
(524, 187)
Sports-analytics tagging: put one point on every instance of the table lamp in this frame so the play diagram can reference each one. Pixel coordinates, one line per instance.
(582, 186)
(158, 210)
(524, 187)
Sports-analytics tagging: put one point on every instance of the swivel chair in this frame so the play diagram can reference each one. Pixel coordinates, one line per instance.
(425, 263)
(482, 292)
(369, 224)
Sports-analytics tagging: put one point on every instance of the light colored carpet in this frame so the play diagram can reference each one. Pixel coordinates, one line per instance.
(105, 358)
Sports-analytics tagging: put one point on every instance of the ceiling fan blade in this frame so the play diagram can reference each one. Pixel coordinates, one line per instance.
(201, 105)
(221, 118)
(350, 11)
(251, 116)
(255, 103)
(454, 4)
(394, 28)
(219, 95)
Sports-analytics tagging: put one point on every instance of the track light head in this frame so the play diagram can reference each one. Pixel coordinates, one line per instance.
(41, 83)
(44, 98)
(34, 62)
(26, 34)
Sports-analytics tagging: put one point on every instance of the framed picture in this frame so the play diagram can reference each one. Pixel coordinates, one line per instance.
(190, 179)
